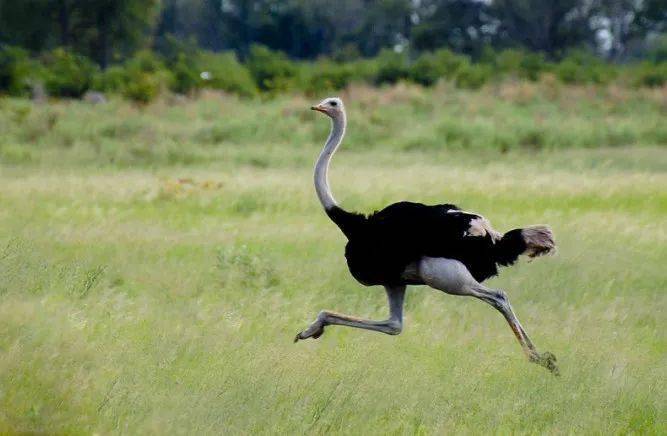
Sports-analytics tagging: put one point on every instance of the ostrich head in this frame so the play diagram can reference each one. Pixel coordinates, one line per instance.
(332, 106)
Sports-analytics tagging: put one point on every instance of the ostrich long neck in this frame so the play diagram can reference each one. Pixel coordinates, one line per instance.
(322, 165)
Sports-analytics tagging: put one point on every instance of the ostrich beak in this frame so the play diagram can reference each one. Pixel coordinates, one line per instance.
(318, 108)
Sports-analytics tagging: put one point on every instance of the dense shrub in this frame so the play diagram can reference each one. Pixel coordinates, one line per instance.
(184, 68)
(431, 66)
(568, 72)
(15, 69)
(185, 77)
(224, 72)
(364, 70)
(426, 70)
(515, 62)
(142, 88)
(651, 75)
(146, 61)
(451, 62)
(193, 68)
(272, 70)
(392, 67)
(532, 65)
(472, 76)
(657, 52)
(180, 57)
(145, 77)
(67, 74)
(325, 75)
(580, 67)
(111, 80)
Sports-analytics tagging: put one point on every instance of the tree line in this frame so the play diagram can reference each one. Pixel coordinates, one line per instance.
(110, 31)
(141, 48)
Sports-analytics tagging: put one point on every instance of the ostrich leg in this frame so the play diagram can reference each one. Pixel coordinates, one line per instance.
(452, 277)
(391, 326)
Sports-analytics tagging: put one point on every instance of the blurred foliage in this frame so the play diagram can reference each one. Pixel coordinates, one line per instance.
(232, 130)
(657, 51)
(183, 68)
(472, 76)
(14, 71)
(111, 31)
(580, 67)
(102, 30)
(327, 75)
(141, 48)
(392, 67)
(145, 77)
(272, 71)
(431, 66)
(67, 74)
(651, 75)
(225, 73)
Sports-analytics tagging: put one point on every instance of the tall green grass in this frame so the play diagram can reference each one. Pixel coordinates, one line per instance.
(156, 262)
(223, 128)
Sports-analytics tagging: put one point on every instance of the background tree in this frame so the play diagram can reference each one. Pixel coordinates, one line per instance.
(652, 16)
(30, 24)
(548, 26)
(112, 30)
(99, 29)
(461, 25)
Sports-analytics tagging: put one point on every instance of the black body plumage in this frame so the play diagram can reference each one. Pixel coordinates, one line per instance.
(381, 245)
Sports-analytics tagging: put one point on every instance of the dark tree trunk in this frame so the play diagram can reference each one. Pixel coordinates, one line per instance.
(63, 21)
(103, 39)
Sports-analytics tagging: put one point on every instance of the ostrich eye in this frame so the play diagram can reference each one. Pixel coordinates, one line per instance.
(333, 103)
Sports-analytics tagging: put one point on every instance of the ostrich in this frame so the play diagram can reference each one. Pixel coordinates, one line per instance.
(408, 243)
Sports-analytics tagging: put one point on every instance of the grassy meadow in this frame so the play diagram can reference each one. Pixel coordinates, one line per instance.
(156, 263)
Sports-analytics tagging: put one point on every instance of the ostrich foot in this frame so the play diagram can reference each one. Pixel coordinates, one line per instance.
(315, 330)
(547, 360)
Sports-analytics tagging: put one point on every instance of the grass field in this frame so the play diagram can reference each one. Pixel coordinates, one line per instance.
(155, 264)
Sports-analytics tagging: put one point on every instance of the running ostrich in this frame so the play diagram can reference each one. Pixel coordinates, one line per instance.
(408, 243)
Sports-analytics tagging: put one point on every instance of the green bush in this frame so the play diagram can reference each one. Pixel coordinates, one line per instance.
(15, 69)
(184, 68)
(67, 74)
(531, 66)
(363, 70)
(451, 62)
(224, 72)
(472, 76)
(392, 67)
(145, 77)
(193, 68)
(146, 61)
(567, 71)
(325, 75)
(271, 70)
(501, 61)
(580, 67)
(185, 76)
(515, 62)
(426, 70)
(113, 79)
(142, 88)
(431, 66)
(657, 52)
(180, 57)
(651, 75)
